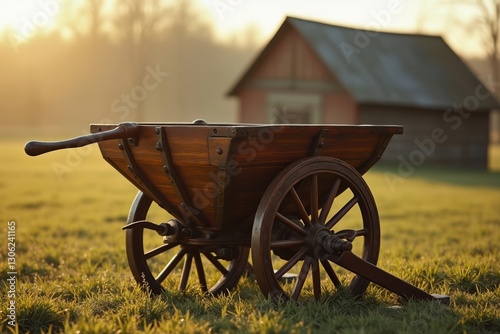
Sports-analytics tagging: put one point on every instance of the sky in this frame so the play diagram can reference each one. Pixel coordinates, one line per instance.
(230, 17)
(434, 17)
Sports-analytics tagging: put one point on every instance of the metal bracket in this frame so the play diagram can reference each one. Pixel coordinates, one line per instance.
(221, 186)
(218, 153)
(218, 150)
(318, 142)
(186, 206)
(140, 177)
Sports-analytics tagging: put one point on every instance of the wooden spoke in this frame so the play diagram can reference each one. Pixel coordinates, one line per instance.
(300, 207)
(143, 261)
(290, 263)
(216, 263)
(361, 233)
(160, 249)
(170, 266)
(316, 279)
(201, 272)
(325, 210)
(302, 278)
(330, 272)
(314, 198)
(342, 212)
(185, 271)
(296, 207)
(290, 224)
(287, 243)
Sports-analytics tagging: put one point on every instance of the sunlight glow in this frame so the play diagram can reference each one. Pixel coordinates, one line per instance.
(24, 18)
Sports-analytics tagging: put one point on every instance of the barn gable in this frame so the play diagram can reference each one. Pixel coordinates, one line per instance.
(312, 72)
(383, 68)
(289, 61)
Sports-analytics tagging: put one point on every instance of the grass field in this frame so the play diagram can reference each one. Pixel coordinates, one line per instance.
(440, 231)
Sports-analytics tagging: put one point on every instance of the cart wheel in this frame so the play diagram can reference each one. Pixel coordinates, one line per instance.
(157, 265)
(315, 207)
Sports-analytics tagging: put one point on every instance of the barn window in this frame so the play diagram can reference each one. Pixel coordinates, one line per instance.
(291, 108)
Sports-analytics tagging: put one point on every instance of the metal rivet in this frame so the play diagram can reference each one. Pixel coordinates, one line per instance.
(157, 131)
(215, 130)
(120, 146)
(165, 169)
(219, 150)
(158, 146)
(130, 169)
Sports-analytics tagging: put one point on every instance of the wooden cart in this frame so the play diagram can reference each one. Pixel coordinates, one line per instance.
(291, 195)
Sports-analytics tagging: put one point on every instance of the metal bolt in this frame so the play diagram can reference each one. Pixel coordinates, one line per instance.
(186, 232)
(120, 146)
(158, 146)
(166, 169)
(219, 150)
(130, 169)
(321, 144)
(157, 130)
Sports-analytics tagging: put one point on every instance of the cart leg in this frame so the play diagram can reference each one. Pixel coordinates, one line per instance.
(351, 262)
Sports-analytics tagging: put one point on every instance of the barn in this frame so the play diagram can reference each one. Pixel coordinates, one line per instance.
(311, 72)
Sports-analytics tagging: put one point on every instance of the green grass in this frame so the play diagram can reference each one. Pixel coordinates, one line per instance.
(440, 231)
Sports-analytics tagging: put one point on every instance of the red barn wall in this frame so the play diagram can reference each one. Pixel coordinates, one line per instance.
(291, 58)
(339, 108)
(290, 66)
(252, 106)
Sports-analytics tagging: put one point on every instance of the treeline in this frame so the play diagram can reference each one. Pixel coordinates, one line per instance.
(145, 62)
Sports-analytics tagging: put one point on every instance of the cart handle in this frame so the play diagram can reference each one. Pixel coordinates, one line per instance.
(122, 131)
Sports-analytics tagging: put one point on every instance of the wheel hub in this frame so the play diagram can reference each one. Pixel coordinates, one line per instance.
(322, 242)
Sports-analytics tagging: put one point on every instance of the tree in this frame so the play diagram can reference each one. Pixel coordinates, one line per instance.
(486, 23)
(489, 22)
(138, 24)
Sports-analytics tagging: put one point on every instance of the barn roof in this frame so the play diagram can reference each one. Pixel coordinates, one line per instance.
(388, 68)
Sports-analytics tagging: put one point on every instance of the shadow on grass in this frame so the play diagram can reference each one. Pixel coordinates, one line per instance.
(454, 176)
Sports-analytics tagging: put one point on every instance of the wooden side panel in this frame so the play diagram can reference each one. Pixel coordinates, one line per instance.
(258, 158)
(228, 192)
(189, 152)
